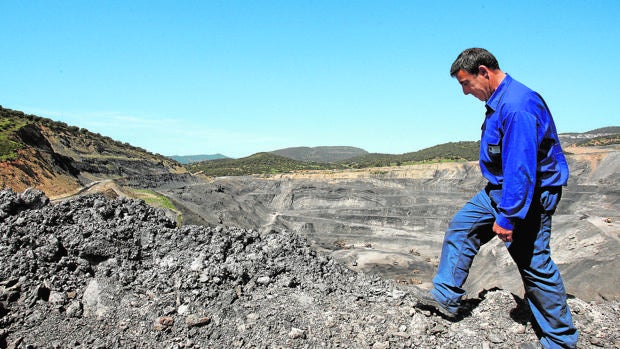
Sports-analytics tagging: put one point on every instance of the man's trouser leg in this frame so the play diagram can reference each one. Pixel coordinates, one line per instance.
(541, 278)
(469, 229)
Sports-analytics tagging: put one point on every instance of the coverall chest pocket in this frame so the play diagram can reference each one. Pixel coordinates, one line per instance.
(491, 146)
(494, 153)
(494, 150)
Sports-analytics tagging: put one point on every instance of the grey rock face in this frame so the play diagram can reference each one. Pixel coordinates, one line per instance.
(393, 221)
(100, 273)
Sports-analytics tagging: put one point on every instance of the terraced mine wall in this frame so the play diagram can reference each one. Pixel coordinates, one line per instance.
(393, 220)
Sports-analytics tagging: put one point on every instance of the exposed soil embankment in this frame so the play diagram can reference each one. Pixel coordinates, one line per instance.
(59, 159)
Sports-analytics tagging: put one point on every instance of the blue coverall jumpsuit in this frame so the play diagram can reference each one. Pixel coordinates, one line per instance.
(521, 157)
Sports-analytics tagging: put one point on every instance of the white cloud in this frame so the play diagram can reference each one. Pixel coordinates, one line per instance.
(173, 136)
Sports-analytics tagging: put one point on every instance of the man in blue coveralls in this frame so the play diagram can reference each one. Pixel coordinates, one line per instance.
(521, 157)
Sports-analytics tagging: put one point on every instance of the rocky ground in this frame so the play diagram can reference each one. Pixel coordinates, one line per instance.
(99, 273)
(402, 213)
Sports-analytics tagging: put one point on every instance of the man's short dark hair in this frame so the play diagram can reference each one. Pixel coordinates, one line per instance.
(472, 58)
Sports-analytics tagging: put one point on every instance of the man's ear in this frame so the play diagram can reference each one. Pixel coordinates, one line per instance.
(484, 71)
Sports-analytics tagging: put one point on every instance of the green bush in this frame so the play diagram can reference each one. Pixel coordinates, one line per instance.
(9, 124)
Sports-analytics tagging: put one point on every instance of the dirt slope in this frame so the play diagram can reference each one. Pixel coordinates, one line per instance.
(60, 159)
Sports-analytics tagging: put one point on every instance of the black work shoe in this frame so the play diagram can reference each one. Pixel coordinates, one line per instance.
(426, 299)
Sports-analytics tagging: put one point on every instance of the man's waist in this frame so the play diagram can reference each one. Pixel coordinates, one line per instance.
(538, 189)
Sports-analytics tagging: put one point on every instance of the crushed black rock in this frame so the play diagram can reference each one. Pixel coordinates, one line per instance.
(92, 272)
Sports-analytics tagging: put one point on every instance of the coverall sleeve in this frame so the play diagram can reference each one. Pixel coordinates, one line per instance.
(519, 152)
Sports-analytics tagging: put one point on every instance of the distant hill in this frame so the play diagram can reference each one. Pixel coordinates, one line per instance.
(297, 159)
(600, 141)
(453, 151)
(53, 156)
(597, 137)
(324, 154)
(605, 130)
(188, 159)
(265, 163)
(58, 158)
(259, 163)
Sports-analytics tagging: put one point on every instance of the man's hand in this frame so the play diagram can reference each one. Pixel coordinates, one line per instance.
(504, 234)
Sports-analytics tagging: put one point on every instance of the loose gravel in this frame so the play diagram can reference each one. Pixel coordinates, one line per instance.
(93, 272)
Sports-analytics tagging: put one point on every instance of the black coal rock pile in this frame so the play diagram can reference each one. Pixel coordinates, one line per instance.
(99, 273)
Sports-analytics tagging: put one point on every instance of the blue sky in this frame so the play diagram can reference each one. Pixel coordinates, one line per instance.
(240, 77)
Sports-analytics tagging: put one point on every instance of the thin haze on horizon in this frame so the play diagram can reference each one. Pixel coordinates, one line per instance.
(241, 77)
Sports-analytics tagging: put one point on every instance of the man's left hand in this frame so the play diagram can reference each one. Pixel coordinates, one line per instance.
(504, 234)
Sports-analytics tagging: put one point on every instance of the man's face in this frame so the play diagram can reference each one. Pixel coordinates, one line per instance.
(477, 85)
